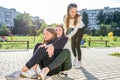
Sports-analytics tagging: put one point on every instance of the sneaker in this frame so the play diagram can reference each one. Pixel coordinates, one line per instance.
(78, 65)
(42, 74)
(75, 61)
(29, 74)
(13, 76)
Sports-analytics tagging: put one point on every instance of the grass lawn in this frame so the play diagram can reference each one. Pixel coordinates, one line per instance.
(20, 45)
(16, 45)
(111, 43)
(115, 54)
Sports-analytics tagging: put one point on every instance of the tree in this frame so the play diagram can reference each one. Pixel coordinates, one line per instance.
(110, 18)
(85, 18)
(116, 19)
(100, 17)
(38, 23)
(53, 25)
(4, 31)
(104, 29)
(113, 27)
(23, 24)
(44, 25)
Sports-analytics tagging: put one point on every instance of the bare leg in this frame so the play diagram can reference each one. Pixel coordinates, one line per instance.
(24, 69)
(43, 73)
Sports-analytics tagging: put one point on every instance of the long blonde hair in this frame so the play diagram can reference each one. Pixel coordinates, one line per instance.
(52, 31)
(67, 17)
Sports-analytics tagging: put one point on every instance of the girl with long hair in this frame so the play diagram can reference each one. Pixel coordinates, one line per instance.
(74, 28)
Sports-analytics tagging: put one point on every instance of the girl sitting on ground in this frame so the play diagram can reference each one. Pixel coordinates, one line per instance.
(53, 64)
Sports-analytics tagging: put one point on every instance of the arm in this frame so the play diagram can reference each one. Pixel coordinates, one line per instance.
(79, 25)
(64, 25)
(60, 43)
(72, 33)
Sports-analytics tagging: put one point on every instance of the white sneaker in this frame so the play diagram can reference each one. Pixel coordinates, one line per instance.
(42, 74)
(13, 76)
(29, 74)
(75, 61)
(78, 65)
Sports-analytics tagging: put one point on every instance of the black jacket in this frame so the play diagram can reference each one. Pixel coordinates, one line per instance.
(60, 42)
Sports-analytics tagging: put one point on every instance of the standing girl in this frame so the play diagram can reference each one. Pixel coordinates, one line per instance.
(74, 28)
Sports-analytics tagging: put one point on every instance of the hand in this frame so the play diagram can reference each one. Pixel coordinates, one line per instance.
(50, 50)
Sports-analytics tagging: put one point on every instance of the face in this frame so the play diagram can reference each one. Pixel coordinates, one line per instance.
(59, 31)
(47, 35)
(73, 12)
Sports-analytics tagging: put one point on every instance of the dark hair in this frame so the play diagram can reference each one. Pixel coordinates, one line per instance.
(52, 31)
(68, 16)
(71, 5)
(62, 29)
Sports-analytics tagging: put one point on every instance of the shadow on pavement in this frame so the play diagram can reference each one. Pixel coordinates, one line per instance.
(88, 75)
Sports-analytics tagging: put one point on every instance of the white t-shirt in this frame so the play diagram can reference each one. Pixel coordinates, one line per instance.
(75, 28)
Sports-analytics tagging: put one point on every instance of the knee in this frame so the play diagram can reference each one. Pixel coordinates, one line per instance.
(38, 44)
(77, 46)
(66, 52)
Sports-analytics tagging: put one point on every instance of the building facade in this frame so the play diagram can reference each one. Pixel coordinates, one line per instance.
(37, 18)
(7, 16)
(92, 15)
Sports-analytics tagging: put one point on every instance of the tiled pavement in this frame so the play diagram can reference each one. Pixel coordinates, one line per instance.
(97, 63)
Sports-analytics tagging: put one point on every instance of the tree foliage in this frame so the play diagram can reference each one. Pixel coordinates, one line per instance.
(23, 24)
(109, 17)
(85, 19)
(44, 25)
(4, 31)
(109, 21)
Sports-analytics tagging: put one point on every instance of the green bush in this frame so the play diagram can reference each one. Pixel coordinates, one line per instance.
(4, 31)
(115, 38)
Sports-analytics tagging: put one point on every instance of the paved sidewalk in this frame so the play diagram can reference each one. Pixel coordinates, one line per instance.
(97, 64)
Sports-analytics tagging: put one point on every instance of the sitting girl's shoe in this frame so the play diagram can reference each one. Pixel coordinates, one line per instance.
(63, 73)
(13, 76)
(29, 74)
(43, 73)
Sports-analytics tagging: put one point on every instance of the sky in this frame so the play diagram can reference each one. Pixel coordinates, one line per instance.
(52, 11)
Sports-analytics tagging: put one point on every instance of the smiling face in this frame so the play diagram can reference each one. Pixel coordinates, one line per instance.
(72, 12)
(47, 35)
(59, 31)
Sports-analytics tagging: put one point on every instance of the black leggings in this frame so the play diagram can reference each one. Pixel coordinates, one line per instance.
(75, 43)
(40, 56)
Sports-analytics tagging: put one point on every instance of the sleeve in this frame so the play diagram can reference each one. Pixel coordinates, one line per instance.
(79, 25)
(65, 29)
(60, 43)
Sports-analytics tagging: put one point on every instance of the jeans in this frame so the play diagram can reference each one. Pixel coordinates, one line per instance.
(61, 63)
